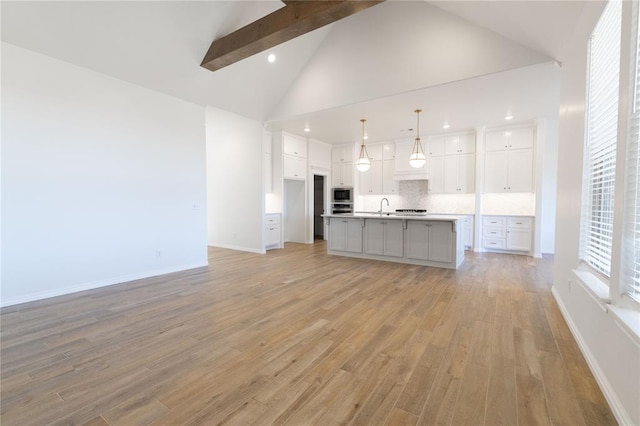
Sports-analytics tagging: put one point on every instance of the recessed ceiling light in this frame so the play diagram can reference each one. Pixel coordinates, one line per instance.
(271, 58)
(307, 128)
(445, 126)
(508, 117)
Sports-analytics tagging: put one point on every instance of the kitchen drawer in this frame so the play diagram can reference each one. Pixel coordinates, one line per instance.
(494, 232)
(495, 221)
(519, 222)
(272, 219)
(495, 243)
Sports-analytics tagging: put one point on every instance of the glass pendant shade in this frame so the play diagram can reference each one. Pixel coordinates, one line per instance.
(417, 157)
(363, 163)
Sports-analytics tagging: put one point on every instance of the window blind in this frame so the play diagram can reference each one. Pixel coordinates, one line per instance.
(601, 137)
(631, 243)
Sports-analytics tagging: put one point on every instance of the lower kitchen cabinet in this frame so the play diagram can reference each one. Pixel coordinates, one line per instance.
(345, 235)
(507, 233)
(273, 233)
(430, 241)
(383, 237)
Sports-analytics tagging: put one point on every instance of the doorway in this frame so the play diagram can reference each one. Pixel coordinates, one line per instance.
(319, 201)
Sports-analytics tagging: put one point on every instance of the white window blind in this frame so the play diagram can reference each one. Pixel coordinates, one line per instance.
(631, 243)
(601, 137)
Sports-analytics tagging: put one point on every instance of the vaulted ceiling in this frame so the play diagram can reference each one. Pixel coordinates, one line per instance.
(463, 62)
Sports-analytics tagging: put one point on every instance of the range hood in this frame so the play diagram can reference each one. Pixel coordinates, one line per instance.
(420, 174)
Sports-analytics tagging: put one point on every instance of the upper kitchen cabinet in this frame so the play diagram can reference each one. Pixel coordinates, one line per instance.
(293, 151)
(342, 166)
(375, 152)
(379, 178)
(459, 174)
(294, 145)
(514, 138)
(434, 146)
(342, 154)
(452, 163)
(388, 151)
(460, 144)
(509, 160)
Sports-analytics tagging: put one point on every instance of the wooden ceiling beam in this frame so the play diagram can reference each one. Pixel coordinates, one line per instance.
(294, 19)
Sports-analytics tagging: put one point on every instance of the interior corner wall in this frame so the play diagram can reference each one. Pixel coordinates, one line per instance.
(611, 352)
(102, 181)
(549, 186)
(235, 195)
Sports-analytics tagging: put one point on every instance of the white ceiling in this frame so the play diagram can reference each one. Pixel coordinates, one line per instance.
(466, 62)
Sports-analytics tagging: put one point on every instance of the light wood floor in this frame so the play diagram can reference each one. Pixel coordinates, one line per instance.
(299, 337)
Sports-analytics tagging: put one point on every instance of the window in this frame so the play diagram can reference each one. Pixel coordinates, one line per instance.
(631, 244)
(601, 138)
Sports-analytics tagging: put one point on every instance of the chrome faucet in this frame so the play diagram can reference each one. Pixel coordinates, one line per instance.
(384, 199)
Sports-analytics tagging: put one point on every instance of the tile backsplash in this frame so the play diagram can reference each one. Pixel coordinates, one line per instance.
(413, 194)
(509, 204)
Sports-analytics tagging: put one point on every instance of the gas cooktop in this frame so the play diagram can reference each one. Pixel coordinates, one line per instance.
(411, 212)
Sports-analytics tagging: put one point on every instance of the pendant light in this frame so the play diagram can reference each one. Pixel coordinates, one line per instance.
(417, 158)
(363, 162)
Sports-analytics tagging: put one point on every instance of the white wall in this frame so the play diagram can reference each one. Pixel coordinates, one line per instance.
(549, 182)
(235, 188)
(102, 181)
(611, 351)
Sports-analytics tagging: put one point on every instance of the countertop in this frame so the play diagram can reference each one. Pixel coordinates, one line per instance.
(436, 217)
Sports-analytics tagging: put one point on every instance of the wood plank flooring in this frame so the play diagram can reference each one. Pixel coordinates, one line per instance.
(298, 337)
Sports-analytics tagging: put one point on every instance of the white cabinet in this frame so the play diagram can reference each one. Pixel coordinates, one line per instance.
(388, 151)
(342, 154)
(513, 138)
(371, 180)
(436, 175)
(389, 184)
(430, 241)
(375, 152)
(294, 167)
(342, 174)
(268, 172)
(452, 167)
(459, 174)
(509, 171)
(345, 235)
(294, 145)
(273, 233)
(383, 237)
(342, 166)
(507, 233)
(294, 150)
(435, 146)
(378, 179)
(460, 144)
(509, 160)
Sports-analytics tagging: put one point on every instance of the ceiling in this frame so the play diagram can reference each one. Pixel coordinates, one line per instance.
(467, 62)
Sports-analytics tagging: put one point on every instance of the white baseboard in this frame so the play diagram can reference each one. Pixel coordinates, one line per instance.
(610, 395)
(97, 284)
(238, 248)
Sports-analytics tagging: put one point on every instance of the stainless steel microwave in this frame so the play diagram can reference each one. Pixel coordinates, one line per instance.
(342, 195)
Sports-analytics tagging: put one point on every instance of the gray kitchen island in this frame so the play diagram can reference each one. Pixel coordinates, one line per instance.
(429, 240)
